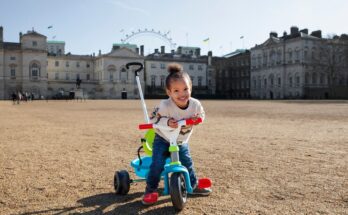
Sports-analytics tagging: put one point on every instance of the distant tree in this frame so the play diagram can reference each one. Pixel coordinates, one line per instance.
(333, 61)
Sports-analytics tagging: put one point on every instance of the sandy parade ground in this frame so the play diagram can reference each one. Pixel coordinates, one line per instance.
(264, 157)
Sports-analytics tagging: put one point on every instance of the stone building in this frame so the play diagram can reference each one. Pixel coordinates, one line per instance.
(232, 75)
(191, 61)
(36, 66)
(23, 65)
(297, 65)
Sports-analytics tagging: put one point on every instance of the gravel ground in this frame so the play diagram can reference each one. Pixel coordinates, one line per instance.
(264, 157)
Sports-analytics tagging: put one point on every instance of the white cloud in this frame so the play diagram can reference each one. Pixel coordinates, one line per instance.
(128, 7)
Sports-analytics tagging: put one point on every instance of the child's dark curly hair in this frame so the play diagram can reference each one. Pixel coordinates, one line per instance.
(176, 72)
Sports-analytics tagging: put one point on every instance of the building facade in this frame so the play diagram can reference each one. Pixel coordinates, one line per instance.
(296, 66)
(42, 68)
(156, 70)
(23, 66)
(232, 75)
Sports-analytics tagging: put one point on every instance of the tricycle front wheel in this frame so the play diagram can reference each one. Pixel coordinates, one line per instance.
(178, 190)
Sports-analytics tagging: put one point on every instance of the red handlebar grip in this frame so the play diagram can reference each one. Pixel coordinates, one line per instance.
(193, 121)
(145, 126)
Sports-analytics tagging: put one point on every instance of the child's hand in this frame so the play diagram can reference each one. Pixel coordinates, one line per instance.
(172, 123)
(195, 119)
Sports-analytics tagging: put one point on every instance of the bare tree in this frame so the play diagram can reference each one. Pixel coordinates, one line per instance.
(332, 61)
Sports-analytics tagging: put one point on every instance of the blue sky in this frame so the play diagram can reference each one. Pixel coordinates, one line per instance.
(87, 26)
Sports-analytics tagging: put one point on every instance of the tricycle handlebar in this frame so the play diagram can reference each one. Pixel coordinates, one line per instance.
(191, 121)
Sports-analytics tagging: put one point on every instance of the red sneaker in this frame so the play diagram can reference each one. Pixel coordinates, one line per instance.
(150, 198)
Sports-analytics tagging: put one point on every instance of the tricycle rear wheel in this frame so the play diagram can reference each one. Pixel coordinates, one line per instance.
(121, 182)
(178, 191)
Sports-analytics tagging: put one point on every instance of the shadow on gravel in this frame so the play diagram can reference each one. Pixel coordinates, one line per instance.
(98, 203)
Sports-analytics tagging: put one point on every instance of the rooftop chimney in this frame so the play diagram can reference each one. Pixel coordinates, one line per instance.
(273, 34)
(316, 33)
(305, 31)
(142, 50)
(293, 30)
(162, 49)
(198, 52)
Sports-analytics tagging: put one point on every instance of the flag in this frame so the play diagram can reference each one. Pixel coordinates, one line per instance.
(241, 37)
(50, 27)
(206, 40)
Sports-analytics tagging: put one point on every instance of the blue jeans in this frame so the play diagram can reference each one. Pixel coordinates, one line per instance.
(160, 152)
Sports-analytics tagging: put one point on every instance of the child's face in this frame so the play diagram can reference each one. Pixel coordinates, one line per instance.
(180, 92)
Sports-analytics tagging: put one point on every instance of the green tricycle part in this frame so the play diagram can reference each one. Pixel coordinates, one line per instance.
(147, 144)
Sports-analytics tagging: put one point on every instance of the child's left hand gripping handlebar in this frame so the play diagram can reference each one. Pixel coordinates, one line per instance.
(190, 121)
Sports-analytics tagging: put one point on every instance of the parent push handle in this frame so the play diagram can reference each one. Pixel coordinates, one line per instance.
(191, 121)
(135, 64)
(146, 117)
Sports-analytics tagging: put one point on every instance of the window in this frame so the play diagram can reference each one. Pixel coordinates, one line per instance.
(200, 67)
(200, 81)
(34, 70)
(265, 83)
(56, 76)
(306, 78)
(279, 81)
(77, 64)
(163, 66)
(12, 58)
(153, 81)
(191, 67)
(34, 43)
(13, 72)
(88, 77)
(153, 65)
(67, 64)
(290, 56)
(271, 81)
(314, 78)
(111, 76)
(163, 78)
(67, 76)
(77, 76)
(297, 55)
(123, 75)
(297, 80)
(322, 78)
(87, 65)
(56, 63)
(290, 81)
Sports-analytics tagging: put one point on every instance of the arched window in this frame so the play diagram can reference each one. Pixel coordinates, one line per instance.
(297, 80)
(111, 70)
(34, 70)
(123, 75)
(290, 81)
